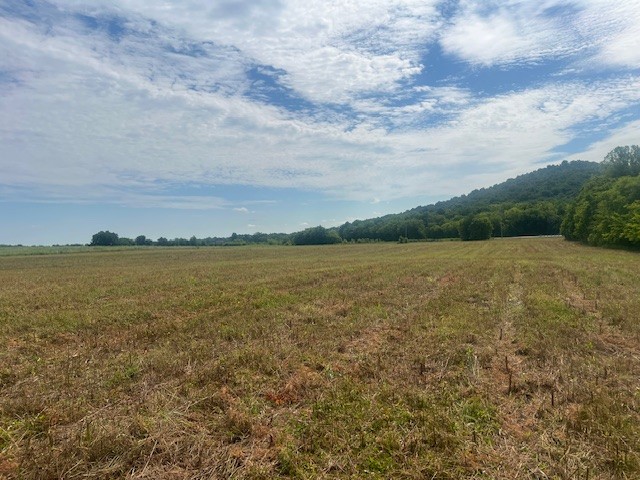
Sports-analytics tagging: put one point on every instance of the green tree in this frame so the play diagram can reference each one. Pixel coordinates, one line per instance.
(413, 228)
(632, 227)
(568, 227)
(477, 227)
(316, 236)
(622, 161)
(540, 218)
(141, 240)
(104, 239)
(126, 242)
(605, 213)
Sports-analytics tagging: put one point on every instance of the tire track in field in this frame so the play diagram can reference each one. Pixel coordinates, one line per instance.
(382, 337)
(506, 362)
(516, 418)
(523, 391)
(611, 337)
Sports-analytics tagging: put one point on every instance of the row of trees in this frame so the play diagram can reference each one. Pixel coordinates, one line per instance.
(311, 236)
(531, 204)
(600, 204)
(500, 220)
(606, 212)
(107, 238)
(522, 219)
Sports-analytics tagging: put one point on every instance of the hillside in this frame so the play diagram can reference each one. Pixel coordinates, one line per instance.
(530, 204)
(554, 182)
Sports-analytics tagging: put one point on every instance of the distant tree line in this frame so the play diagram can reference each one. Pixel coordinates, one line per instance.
(606, 212)
(532, 204)
(107, 238)
(477, 223)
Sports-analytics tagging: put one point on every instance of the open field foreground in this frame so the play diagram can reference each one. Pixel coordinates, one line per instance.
(502, 359)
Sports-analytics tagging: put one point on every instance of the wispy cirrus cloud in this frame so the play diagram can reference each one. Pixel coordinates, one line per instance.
(357, 100)
(491, 33)
(617, 28)
(327, 50)
(503, 33)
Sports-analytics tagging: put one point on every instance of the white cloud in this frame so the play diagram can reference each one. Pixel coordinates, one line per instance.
(497, 39)
(615, 28)
(92, 119)
(510, 32)
(623, 49)
(495, 139)
(498, 33)
(329, 49)
(114, 130)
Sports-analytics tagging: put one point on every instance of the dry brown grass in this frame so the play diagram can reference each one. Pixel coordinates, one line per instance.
(502, 359)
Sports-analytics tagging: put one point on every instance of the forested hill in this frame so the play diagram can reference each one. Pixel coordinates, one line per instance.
(554, 182)
(530, 204)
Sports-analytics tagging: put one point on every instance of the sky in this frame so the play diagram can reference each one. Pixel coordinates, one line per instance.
(181, 117)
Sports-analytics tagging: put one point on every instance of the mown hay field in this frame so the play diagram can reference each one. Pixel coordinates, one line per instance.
(501, 359)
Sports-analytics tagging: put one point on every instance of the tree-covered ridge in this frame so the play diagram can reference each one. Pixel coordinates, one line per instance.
(607, 210)
(553, 182)
(530, 204)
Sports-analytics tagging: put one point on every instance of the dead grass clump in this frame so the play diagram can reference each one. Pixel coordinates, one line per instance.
(298, 387)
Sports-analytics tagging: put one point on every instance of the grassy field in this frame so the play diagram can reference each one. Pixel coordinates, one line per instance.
(22, 251)
(502, 359)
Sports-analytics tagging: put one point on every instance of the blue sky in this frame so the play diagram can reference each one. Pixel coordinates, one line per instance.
(180, 118)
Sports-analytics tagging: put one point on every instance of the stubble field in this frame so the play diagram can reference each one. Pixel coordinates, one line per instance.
(502, 359)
